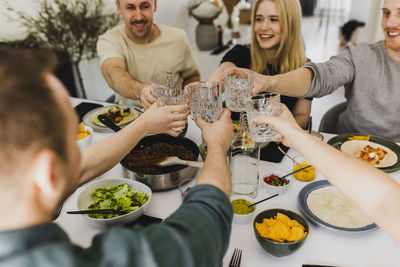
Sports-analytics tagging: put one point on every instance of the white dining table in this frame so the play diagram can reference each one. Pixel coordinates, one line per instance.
(323, 246)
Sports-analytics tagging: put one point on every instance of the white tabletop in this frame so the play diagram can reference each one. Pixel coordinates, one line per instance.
(323, 246)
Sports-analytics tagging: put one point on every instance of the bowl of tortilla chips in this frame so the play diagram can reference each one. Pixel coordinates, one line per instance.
(280, 232)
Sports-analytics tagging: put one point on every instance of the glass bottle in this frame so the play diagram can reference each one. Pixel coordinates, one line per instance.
(244, 161)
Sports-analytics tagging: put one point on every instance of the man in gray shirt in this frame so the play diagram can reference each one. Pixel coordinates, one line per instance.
(370, 74)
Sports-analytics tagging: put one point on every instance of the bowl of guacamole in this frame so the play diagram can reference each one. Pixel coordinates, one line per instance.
(242, 213)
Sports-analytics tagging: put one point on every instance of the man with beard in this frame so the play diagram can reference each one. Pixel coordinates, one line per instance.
(370, 74)
(132, 53)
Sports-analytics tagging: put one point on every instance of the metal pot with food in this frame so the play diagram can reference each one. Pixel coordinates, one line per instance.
(142, 163)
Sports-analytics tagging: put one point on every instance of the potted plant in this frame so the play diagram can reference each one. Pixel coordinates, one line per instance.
(70, 27)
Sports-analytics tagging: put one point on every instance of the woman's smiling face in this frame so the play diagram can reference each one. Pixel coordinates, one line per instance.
(267, 27)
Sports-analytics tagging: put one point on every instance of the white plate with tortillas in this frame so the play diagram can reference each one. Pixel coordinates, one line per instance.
(323, 204)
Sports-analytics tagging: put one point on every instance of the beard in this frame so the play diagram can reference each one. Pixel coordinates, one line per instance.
(392, 43)
(138, 33)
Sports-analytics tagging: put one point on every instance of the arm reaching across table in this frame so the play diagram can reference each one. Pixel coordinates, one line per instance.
(218, 137)
(102, 156)
(295, 83)
(373, 190)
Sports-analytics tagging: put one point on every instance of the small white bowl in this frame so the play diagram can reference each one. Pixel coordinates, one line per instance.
(273, 189)
(84, 199)
(85, 142)
(243, 218)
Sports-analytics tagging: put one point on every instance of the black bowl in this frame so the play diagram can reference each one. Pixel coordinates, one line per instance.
(279, 249)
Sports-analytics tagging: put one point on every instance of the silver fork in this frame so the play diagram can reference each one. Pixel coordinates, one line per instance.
(236, 258)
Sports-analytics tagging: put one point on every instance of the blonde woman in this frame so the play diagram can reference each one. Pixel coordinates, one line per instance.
(276, 47)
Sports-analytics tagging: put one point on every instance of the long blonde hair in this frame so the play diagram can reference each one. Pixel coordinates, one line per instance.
(290, 54)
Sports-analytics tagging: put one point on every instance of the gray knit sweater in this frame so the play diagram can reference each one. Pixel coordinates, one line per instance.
(372, 89)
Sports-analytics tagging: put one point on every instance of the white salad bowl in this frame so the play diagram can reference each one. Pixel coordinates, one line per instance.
(84, 200)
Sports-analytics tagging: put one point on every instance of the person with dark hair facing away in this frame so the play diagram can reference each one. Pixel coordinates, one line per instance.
(41, 165)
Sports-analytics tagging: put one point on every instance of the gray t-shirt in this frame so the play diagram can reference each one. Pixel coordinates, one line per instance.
(372, 89)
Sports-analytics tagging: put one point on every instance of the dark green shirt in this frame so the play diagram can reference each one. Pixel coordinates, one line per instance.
(197, 234)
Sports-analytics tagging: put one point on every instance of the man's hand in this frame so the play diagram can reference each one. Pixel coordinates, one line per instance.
(285, 124)
(146, 97)
(163, 119)
(261, 83)
(219, 133)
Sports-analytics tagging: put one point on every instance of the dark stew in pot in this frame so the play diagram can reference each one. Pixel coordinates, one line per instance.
(144, 160)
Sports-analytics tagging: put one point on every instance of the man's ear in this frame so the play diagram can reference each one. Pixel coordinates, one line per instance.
(118, 6)
(155, 6)
(43, 170)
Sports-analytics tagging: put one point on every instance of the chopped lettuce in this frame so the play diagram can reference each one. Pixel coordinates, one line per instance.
(120, 198)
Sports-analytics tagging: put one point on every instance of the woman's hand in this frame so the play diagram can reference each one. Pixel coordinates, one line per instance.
(163, 119)
(285, 124)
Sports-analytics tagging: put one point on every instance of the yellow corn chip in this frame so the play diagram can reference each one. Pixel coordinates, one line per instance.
(359, 137)
(285, 219)
(296, 233)
(269, 222)
(297, 224)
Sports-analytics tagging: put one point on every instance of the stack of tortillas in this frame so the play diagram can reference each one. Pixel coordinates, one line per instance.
(332, 207)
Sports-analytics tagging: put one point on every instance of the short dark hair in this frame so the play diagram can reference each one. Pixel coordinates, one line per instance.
(30, 116)
(349, 27)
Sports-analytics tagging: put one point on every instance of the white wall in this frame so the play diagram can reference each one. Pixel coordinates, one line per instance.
(374, 28)
(369, 11)
(360, 10)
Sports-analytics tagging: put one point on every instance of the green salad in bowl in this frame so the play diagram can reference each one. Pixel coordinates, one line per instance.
(120, 198)
(129, 198)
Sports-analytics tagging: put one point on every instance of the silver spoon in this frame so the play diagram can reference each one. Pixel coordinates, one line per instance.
(284, 153)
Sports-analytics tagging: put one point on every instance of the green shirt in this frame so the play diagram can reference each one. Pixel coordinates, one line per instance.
(197, 234)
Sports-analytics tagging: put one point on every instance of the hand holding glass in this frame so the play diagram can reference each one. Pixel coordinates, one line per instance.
(238, 86)
(205, 100)
(166, 97)
(267, 104)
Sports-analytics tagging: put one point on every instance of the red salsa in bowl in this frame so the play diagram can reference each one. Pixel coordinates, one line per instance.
(275, 180)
